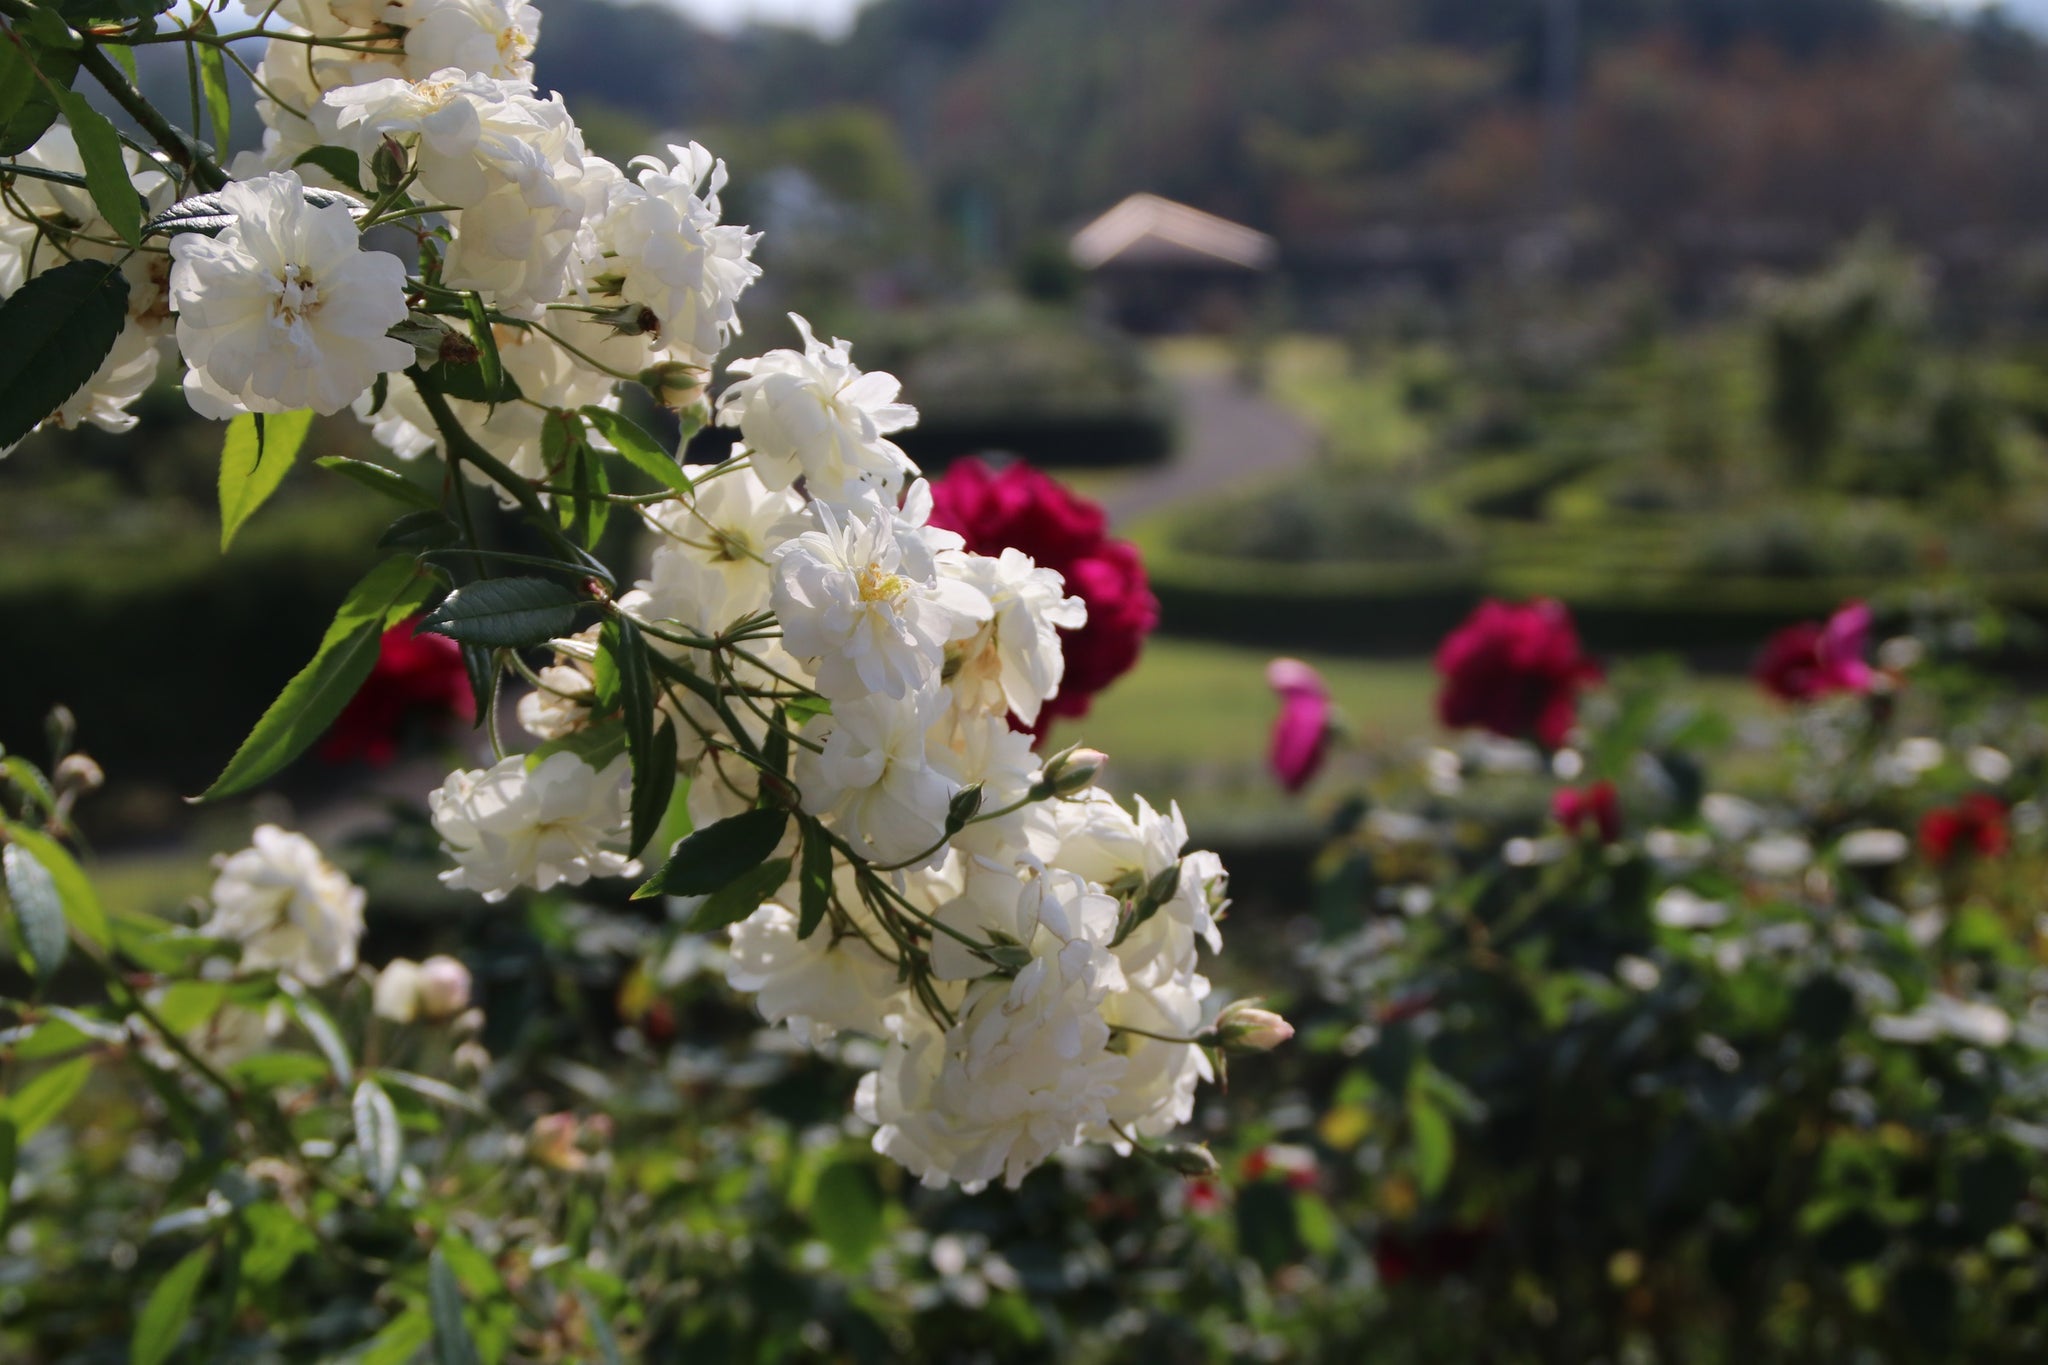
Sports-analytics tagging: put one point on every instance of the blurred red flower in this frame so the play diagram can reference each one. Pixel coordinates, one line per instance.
(1975, 824)
(1514, 669)
(1020, 508)
(1587, 810)
(1429, 1256)
(416, 678)
(1814, 658)
(1301, 732)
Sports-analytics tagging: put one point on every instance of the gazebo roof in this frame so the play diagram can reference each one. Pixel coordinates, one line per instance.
(1146, 230)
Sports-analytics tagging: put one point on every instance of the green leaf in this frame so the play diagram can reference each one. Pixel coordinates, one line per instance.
(8, 1148)
(29, 780)
(33, 1106)
(846, 1211)
(271, 1070)
(213, 79)
(740, 897)
(74, 889)
(453, 1344)
(485, 675)
(600, 1330)
(506, 612)
(654, 752)
(597, 745)
(339, 162)
(380, 1143)
(320, 1028)
(37, 909)
(639, 449)
(106, 169)
(814, 882)
(438, 1091)
(469, 383)
(254, 459)
(713, 856)
(309, 703)
(378, 479)
(1431, 1130)
(27, 106)
(209, 213)
(399, 1343)
(428, 527)
(59, 327)
(169, 1308)
(654, 784)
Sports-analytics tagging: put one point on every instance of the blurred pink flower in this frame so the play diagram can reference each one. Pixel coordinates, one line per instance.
(1301, 733)
(1815, 658)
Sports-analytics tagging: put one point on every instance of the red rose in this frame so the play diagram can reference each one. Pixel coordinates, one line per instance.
(1515, 670)
(1020, 508)
(1588, 810)
(416, 677)
(1976, 824)
(1815, 658)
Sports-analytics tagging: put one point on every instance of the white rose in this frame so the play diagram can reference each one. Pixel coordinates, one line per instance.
(1014, 662)
(818, 985)
(284, 309)
(663, 248)
(288, 907)
(871, 781)
(558, 825)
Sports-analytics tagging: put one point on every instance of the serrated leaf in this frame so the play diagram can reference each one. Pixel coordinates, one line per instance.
(480, 665)
(309, 703)
(59, 327)
(255, 457)
(339, 162)
(106, 169)
(380, 1143)
(37, 909)
(74, 889)
(505, 613)
(213, 80)
(712, 857)
(378, 479)
(27, 106)
(639, 449)
(453, 1344)
(814, 882)
(31, 1108)
(740, 897)
(168, 1310)
(209, 213)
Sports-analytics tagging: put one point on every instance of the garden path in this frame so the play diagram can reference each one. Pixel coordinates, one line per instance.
(1228, 434)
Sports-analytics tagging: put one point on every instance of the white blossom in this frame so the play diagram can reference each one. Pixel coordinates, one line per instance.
(1014, 662)
(284, 309)
(288, 907)
(556, 825)
(818, 985)
(871, 781)
(662, 247)
(813, 414)
(857, 601)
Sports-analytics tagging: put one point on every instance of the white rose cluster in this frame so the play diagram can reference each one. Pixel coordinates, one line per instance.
(827, 663)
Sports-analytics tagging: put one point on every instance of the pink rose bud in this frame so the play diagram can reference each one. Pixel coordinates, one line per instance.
(1246, 1027)
(443, 989)
(1301, 733)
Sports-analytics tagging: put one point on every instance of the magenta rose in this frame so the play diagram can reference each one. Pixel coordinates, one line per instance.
(1514, 669)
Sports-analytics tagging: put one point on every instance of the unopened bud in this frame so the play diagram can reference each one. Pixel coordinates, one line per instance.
(630, 320)
(60, 727)
(1068, 772)
(444, 986)
(674, 385)
(552, 1142)
(1186, 1158)
(396, 996)
(965, 805)
(388, 163)
(1246, 1027)
(78, 773)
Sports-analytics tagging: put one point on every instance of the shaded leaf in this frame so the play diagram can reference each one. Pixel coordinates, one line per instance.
(43, 1098)
(37, 908)
(846, 1211)
(1430, 1129)
(814, 882)
(654, 785)
(453, 1344)
(209, 213)
(505, 612)
(27, 106)
(59, 327)
(309, 703)
(106, 170)
(169, 1309)
(740, 897)
(378, 479)
(339, 162)
(713, 856)
(380, 1144)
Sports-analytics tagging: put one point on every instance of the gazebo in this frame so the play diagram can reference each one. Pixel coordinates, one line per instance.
(1161, 266)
